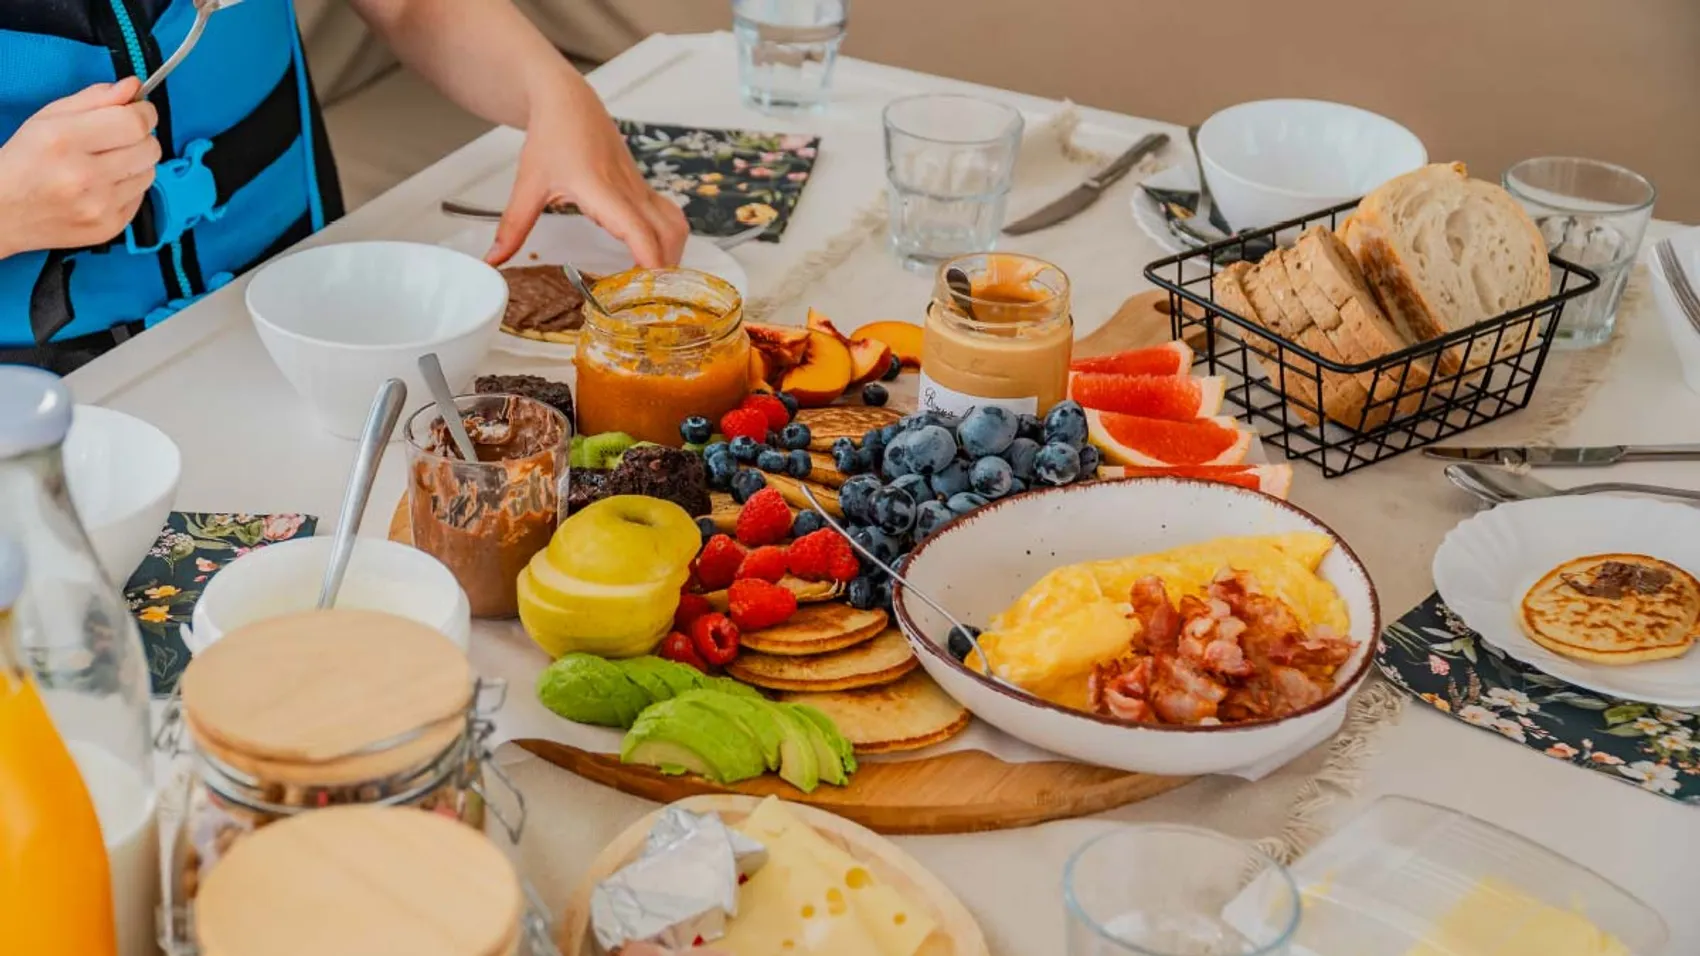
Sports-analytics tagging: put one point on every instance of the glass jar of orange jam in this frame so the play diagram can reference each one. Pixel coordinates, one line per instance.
(671, 345)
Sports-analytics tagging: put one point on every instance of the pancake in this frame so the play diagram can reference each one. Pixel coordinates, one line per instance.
(817, 629)
(880, 661)
(827, 425)
(1613, 609)
(790, 489)
(723, 511)
(906, 715)
(806, 592)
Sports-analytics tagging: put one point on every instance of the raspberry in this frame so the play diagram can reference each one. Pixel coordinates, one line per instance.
(765, 519)
(774, 410)
(691, 607)
(717, 564)
(767, 563)
(823, 555)
(755, 604)
(744, 423)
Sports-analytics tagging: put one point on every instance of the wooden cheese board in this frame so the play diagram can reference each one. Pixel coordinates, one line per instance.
(955, 792)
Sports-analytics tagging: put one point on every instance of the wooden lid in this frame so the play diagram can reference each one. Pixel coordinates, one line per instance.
(358, 881)
(299, 698)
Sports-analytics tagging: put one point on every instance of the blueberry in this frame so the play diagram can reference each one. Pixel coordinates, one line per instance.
(863, 593)
(987, 430)
(806, 522)
(898, 459)
(1058, 464)
(882, 593)
(965, 502)
(893, 510)
(929, 517)
(746, 483)
(790, 402)
(696, 429)
(795, 435)
(893, 370)
(720, 467)
(715, 448)
(1016, 487)
(771, 460)
(855, 496)
(900, 564)
(875, 394)
(961, 644)
(915, 487)
(847, 458)
(1090, 459)
(889, 432)
(798, 463)
(707, 528)
(772, 440)
(950, 480)
(1029, 426)
(744, 449)
(991, 477)
(1066, 423)
(874, 440)
(931, 449)
(1021, 454)
(865, 459)
(877, 542)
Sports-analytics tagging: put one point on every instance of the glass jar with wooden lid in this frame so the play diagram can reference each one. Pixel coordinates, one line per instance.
(361, 881)
(671, 345)
(1006, 340)
(323, 708)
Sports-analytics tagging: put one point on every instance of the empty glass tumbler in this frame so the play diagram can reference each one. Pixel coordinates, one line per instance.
(786, 51)
(949, 162)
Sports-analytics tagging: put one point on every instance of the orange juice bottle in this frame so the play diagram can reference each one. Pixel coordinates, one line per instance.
(55, 891)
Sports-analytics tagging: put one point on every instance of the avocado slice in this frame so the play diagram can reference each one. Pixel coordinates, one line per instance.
(679, 677)
(676, 736)
(827, 764)
(755, 716)
(587, 689)
(842, 747)
(798, 763)
(650, 674)
(727, 685)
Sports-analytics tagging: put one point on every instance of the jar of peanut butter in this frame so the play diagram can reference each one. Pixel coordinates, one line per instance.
(1007, 343)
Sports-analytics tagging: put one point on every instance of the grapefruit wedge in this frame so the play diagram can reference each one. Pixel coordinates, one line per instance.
(1156, 442)
(1170, 358)
(1174, 397)
(1274, 480)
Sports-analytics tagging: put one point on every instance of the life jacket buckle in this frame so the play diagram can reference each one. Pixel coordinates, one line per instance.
(183, 195)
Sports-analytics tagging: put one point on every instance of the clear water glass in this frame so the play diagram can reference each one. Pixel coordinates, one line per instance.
(1165, 890)
(949, 161)
(1593, 214)
(786, 51)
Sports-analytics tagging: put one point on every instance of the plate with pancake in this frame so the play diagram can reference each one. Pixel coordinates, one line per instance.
(1599, 592)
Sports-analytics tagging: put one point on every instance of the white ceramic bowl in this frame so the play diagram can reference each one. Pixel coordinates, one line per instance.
(122, 476)
(979, 564)
(1272, 160)
(340, 319)
(1684, 339)
(284, 577)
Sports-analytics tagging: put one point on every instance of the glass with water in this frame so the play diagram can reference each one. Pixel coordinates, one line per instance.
(1165, 890)
(786, 51)
(1592, 214)
(949, 161)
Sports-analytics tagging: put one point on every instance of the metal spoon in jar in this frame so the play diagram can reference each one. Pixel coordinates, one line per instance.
(578, 282)
(961, 290)
(380, 424)
(432, 370)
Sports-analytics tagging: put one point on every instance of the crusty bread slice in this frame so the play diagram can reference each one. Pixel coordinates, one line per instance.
(1343, 399)
(1444, 252)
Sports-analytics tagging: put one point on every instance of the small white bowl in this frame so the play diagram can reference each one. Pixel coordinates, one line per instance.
(1684, 339)
(122, 474)
(979, 564)
(284, 577)
(1272, 160)
(340, 319)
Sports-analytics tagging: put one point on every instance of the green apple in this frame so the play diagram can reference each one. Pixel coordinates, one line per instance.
(605, 620)
(625, 539)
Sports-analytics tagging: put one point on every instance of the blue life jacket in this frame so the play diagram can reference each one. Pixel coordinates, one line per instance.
(239, 179)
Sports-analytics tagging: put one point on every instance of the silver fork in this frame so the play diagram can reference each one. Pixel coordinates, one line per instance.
(204, 9)
(1671, 266)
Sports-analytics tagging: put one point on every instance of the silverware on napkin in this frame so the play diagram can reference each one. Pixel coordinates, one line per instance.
(1567, 457)
(1084, 195)
(463, 211)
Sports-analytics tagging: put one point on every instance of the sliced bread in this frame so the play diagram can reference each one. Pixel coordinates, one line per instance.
(1444, 252)
(1242, 292)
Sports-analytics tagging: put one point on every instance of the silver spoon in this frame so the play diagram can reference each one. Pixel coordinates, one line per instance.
(578, 282)
(380, 424)
(1503, 485)
(204, 9)
(438, 383)
(961, 290)
(972, 634)
(1200, 223)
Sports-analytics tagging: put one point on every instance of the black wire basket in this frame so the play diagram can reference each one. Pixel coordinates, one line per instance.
(1417, 395)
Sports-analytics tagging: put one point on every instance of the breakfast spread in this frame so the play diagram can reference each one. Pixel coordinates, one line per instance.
(1615, 609)
(542, 304)
(1006, 344)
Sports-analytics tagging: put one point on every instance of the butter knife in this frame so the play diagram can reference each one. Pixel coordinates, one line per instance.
(1580, 457)
(1084, 195)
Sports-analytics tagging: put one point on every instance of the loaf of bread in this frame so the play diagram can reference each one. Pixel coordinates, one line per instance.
(1444, 252)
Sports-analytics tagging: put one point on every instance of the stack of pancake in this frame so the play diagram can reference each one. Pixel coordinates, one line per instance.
(1613, 609)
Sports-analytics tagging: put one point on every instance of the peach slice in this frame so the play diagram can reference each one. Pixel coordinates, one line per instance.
(824, 374)
(820, 323)
(904, 338)
(869, 359)
(761, 370)
(785, 343)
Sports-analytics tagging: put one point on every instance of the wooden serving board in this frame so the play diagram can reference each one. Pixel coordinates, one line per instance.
(951, 793)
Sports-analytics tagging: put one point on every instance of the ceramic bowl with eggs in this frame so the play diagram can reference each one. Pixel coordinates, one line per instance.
(122, 475)
(999, 560)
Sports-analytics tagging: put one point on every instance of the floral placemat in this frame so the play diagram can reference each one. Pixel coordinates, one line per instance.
(194, 545)
(1432, 655)
(727, 180)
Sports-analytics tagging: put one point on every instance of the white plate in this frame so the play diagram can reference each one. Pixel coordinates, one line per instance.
(1183, 175)
(1488, 562)
(577, 240)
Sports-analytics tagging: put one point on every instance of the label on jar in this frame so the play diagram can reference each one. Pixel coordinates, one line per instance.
(938, 398)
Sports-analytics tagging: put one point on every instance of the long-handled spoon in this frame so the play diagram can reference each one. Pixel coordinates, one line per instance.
(380, 424)
(204, 9)
(583, 288)
(438, 383)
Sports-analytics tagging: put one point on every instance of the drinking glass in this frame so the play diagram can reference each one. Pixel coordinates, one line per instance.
(1165, 890)
(1593, 214)
(786, 51)
(949, 160)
